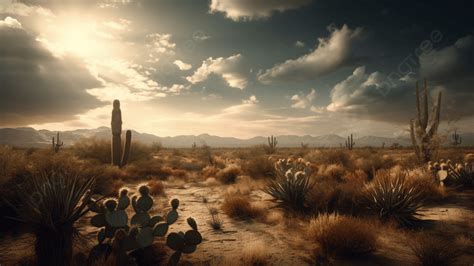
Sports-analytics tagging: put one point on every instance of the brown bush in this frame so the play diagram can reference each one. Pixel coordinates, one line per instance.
(343, 236)
(327, 195)
(330, 156)
(431, 250)
(12, 163)
(210, 171)
(239, 206)
(149, 168)
(258, 167)
(99, 150)
(229, 174)
(156, 188)
(255, 254)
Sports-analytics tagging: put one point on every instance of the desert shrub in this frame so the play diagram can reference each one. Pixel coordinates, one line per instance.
(229, 174)
(255, 254)
(432, 192)
(215, 222)
(370, 162)
(149, 168)
(93, 149)
(99, 150)
(330, 156)
(394, 198)
(327, 195)
(239, 206)
(333, 171)
(291, 185)
(192, 165)
(51, 204)
(343, 236)
(258, 166)
(430, 250)
(12, 163)
(210, 171)
(156, 188)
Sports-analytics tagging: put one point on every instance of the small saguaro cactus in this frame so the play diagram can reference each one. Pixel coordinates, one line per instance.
(350, 142)
(57, 144)
(118, 158)
(272, 143)
(424, 139)
(456, 139)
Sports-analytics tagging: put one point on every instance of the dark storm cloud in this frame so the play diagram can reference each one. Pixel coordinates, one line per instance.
(381, 97)
(35, 86)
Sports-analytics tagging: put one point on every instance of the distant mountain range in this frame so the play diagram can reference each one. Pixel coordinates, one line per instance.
(29, 137)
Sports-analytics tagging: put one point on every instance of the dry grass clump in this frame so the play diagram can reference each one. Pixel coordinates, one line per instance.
(239, 206)
(333, 171)
(255, 254)
(258, 167)
(12, 163)
(229, 174)
(330, 156)
(431, 191)
(370, 162)
(149, 168)
(209, 171)
(431, 250)
(99, 150)
(343, 236)
(328, 195)
(157, 188)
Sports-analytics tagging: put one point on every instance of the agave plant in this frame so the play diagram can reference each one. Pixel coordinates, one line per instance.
(393, 198)
(291, 185)
(51, 203)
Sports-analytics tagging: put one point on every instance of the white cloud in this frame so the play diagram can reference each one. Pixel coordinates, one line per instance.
(301, 101)
(253, 9)
(251, 100)
(118, 25)
(299, 44)
(161, 44)
(10, 23)
(230, 69)
(182, 65)
(331, 54)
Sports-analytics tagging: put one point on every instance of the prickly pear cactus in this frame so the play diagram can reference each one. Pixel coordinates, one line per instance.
(122, 237)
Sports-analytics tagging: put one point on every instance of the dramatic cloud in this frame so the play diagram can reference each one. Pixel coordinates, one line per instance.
(160, 44)
(299, 44)
(251, 100)
(230, 69)
(254, 9)
(331, 54)
(374, 96)
(37, 86)
(301, 101)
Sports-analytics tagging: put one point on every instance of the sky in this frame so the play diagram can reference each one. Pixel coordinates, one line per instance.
(235, 68)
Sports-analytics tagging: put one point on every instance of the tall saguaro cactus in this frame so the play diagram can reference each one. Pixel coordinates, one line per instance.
(57, 144)
(350, 142)
(118, 158)
(423, 138)
(457, 139)
(272, 143)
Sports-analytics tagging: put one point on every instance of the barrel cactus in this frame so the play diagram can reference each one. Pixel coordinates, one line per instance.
(124, 237)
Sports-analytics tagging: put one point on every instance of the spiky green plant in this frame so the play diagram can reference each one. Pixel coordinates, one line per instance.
(291, 184)
(51, 203)
(393, 198)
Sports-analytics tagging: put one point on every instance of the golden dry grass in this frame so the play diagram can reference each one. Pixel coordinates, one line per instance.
(343, 236)
(239, 206)
(430, 250)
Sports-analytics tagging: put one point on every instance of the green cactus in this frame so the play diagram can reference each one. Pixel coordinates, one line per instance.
(118, 158)
(350, 142)
(112, 220)
(57, 144)
(272, 143)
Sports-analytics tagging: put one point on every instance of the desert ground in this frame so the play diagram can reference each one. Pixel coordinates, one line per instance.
(331, 221)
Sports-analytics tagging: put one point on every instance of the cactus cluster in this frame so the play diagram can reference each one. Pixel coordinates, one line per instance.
(424, 139)
(119, 158)
(272, 143)
(453, 174)
(114, 226)
(292, 183)
(350, 142)
(57, 144)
